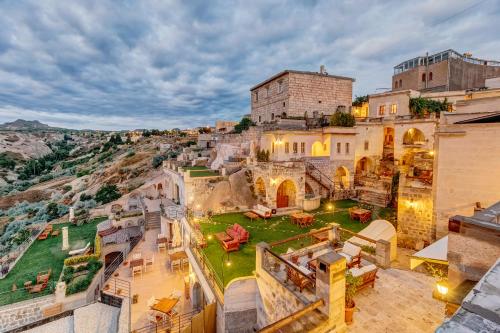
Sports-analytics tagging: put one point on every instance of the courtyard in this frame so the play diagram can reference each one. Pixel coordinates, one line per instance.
(229, 266)
(41, 256)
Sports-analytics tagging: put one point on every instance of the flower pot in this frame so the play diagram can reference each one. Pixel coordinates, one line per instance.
(349, 313)
(310, 254)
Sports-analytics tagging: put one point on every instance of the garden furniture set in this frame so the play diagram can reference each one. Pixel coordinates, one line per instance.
(351, 253)
(46, 232)
(303, 220)
(233, 237)
(360, 214)
(42, 280)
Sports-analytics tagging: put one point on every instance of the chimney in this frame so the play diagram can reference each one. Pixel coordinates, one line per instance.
(322, 69)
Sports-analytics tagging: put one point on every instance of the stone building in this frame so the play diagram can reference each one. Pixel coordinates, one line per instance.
(294, 94)
(444, 71)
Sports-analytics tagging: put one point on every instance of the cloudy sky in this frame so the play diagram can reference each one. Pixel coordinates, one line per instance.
(164, 64)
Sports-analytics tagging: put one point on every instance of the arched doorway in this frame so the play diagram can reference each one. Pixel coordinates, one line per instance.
(388, 137)
(260, 187)
(197, 296)
(414, 136)
(363, 167)
(159, 188)
(342, 177)
(286, 194)
(317, 149)
(112, 258)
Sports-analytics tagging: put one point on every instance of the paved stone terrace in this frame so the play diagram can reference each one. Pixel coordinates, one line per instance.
(400, 302)
(158, 281)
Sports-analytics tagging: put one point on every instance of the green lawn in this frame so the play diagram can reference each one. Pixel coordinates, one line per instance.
(42, 255)
(274, 229)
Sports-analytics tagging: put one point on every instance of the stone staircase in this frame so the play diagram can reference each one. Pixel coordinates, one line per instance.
(372, 196)
(320, 178)
(153, 220)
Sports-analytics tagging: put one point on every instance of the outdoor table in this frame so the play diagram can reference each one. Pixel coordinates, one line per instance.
(302, 219)
(165, 305)
(357, 212)
(161, 240)
(136, 262)
(321, 236)
(178, 256)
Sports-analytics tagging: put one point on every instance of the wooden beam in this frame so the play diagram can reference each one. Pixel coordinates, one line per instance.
(291, 318)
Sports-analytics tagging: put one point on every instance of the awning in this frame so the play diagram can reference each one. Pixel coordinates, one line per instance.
(437, 253)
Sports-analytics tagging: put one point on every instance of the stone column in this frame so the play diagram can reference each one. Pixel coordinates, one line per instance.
(330, 286)
(60, 292)
(71, 214)
(334, 233)
(65, 239)
(383, 253)
(259, 256)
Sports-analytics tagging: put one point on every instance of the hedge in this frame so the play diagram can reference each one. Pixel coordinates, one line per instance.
(86, 257)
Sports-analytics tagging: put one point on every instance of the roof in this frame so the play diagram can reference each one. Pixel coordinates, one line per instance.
(480, 310)
(487, 218)
(490, 118)
(288, 71)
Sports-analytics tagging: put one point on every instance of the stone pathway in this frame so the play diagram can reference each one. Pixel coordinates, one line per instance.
(400, 302)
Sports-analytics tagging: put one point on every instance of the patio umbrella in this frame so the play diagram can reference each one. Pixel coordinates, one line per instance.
(176, 237)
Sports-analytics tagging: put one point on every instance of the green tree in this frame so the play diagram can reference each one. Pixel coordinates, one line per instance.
(52, 210)
(107, 193)
(243, 125)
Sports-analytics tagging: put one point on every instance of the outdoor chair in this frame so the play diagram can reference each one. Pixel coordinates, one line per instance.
(238, 232)
(136, 270)
(162, 246)
(231, 245)
(149, 262)
(365, 217)
(174, 264)
(368, 274)
(42, 280)
(262, 211)
(351, 212)
(136, 256)
(351, 253)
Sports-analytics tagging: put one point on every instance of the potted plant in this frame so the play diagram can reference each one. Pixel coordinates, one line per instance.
(310, 254)
(351, 285)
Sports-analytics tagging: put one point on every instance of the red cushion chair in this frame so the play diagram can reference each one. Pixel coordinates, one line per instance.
(238, 232)
(231, 245)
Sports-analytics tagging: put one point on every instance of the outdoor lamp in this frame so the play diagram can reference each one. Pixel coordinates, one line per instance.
(329, 206)
(442, 287)
(228, 263)
(209, 237)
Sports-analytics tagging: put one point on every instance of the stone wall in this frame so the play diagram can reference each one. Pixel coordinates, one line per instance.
(23, 313)
(415, 222)
(467, 170)
(240, 306)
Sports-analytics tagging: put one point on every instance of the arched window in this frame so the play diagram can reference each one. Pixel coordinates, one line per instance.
(423, 77)
(430, 76)
(400, 83)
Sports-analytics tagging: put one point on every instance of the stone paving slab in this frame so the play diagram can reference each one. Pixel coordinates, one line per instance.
(400, 302)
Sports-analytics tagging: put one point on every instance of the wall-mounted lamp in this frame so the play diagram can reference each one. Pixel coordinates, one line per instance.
(274, 181)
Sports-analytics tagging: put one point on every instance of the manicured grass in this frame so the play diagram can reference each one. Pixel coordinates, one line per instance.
(274, 229)
(203, 173)
(43, 255)
(198, 167)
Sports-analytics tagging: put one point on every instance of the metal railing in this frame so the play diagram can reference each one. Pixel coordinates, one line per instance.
(209, 272)
(174, 324)
(117, 287)
(273, 266)
(110, 269)
(111, 300)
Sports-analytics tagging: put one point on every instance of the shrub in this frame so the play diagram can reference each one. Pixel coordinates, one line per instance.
(52, 210)
(243, 125)
(130, 153)
(157, 160)
(67, 188)
(342, 119)
(85, 197)
(83, 172)
(6, 162)
(107, 193)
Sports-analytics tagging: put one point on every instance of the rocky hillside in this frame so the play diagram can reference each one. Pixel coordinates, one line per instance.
(21, 124)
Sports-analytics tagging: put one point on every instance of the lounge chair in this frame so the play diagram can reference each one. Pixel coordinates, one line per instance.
(351, 253)
(367, 273)
(238, 232)
(136, 270)
(262, 211)
(231, 245)
(42, 279)
(80, 251)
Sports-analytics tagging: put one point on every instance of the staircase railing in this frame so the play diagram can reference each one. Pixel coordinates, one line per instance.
(320, 177)
(111, 268)
(118, 287)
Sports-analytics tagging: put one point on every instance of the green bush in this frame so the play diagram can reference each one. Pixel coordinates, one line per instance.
(6, 162)
(85, 197)
(342, 119)
(243, 125)
(107, 193)
(83, 172)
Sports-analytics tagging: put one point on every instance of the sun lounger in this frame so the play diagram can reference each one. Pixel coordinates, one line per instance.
(80, 251)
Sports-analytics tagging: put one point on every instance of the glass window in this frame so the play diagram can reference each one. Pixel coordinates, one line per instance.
(394, 108)
(287, 147)
(256, 96)
(381, 110)
(347, 147)
(295, 147)
(367, 145)
(338, 148)
(302, 147)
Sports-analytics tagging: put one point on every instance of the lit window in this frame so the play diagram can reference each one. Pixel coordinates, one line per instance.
(381, 110)
(287, 147)
(394, 108)
(338, 148)
(302, 147)
(272, 147)
(367, 145)
(280, 87)
(347, 147)
(295, 147)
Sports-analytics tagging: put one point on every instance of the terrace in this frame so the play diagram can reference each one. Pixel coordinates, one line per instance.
(41, 256)
(229, 266)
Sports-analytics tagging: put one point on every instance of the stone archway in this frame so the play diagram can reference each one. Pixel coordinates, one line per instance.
(342, 177)
(317, 149)
(286, 194)
(260, 187)
(414, 136)
(363, 167)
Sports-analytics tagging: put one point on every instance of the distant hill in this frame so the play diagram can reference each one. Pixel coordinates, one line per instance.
(21, 124)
